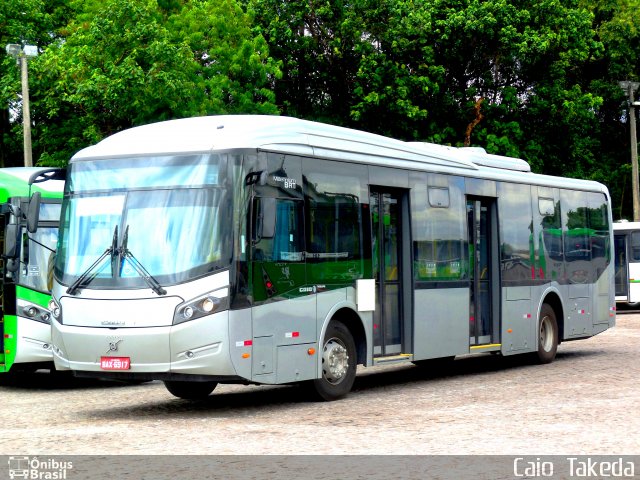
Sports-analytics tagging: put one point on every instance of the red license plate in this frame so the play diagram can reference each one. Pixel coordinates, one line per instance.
(115, 363)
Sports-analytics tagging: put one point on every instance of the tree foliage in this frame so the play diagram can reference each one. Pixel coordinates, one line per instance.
(529, 79)
(118, 70)
(122, 63)
(33, 22)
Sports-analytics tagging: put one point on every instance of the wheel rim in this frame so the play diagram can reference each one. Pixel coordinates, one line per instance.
(335, 361)
(546, 334)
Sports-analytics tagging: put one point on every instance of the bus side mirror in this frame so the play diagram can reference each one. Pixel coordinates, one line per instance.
(268, 217)
(11, 247)
(33, 212)
(11, 241)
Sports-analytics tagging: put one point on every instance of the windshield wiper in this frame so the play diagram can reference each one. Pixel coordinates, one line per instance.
(89, 274)
(124, 252)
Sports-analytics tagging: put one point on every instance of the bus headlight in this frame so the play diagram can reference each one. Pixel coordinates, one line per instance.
(33, 312)
(202, 306)
(56, 310)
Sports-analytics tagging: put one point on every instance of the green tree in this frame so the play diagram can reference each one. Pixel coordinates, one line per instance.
(33, 22)
(128, 62)
(617, 25)
(398, 75)
(317, 45)
(118, 70)
(234, 73)
(488, 73)
(500, 74)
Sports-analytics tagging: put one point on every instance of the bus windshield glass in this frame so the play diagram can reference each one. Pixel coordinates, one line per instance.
(169, 212)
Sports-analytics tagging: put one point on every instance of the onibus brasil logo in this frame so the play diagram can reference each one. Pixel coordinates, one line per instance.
(38, 469)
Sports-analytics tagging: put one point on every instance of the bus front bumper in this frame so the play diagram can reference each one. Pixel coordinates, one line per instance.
(196, 347)
(34, 341)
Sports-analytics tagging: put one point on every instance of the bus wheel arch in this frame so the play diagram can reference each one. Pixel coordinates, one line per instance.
(342, 347)
(352, 321)
(553, 300)
(548, 335)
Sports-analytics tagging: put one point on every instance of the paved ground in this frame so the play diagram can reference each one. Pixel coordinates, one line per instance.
(586, 402)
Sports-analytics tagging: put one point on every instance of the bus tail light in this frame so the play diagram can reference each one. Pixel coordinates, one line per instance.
(202, 306)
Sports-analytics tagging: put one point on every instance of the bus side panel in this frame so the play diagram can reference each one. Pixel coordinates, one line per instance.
(294, 363)
(441, 322)
(634, 282)
(283, 323)
(603, 300)
(579, 313)
(518, 321)
(10, 336)
(240, 341)
(290, 322)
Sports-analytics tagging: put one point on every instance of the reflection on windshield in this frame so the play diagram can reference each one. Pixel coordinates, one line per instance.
(179, 224)
(34, 260)
(96, 219)
(156, 172)
(175, 233)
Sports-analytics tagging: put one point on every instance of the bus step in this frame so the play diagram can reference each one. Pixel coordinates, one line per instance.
(402, 358)
(491, 347)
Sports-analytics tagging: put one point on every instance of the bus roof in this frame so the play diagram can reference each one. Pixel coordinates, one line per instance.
(624, 225)
(302, 137)
(14, 182)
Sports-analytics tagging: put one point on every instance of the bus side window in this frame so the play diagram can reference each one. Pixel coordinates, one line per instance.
(288, 243)
(278, 233)
(439, 218)
(337, 221)
(635, 246)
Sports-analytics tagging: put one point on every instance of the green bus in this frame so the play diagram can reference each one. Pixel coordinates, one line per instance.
(272, 250)
(25, 289)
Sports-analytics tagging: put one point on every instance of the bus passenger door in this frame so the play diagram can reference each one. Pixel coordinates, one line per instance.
(622, 272)
(387, 254)
(483, 310)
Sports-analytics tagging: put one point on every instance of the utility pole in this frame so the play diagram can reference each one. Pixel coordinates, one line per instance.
(21, 54)
(630, 88)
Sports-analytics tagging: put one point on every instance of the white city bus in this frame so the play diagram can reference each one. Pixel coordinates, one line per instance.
(271, 250)
(626, 238)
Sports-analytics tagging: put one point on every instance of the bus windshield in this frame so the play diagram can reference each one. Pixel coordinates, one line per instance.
(173, 209)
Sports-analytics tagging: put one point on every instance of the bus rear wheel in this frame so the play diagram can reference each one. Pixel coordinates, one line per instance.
(190, 390)
(338, 363)
(548, 335)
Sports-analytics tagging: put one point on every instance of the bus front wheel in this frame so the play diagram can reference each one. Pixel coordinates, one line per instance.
(190, 390)
(548, 335)
(338, 363)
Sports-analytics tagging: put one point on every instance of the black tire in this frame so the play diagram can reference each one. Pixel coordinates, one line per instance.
(547, 335)
(339, 362)
(190, 390)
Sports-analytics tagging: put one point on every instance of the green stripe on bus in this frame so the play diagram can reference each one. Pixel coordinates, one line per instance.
(32, 296)
(10, 341)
